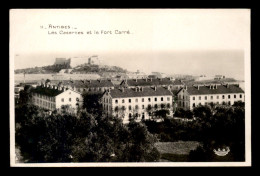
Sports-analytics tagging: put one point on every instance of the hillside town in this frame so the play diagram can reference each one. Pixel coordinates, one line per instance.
(84, 85)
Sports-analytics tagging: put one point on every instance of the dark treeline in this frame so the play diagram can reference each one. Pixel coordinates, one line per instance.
(83, 138)
(214, 126)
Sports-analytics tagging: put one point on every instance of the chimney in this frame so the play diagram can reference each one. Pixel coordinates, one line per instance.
(216, 86)
(123, 89)
(155, 88)
(136, 89)
(227, 85)
(198, 87)
(185, 87)
(135, 80)
(151, 79)
(145, 79)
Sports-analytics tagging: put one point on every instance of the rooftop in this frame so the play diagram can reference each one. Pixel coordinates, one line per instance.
(47, 91)
(216, 89)
(85, 83)
(142, 92)
(151, 82)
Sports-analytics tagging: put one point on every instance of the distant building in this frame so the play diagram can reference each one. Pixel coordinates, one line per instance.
(64, 71)
(159, 74)
(203, 78)
(192, 96)
(54, 98)
(137, 103)
(85, 86)
(136, 75)
(94, 60)
(218, 77)
(148, 82)
(17, 90)
(62, 61)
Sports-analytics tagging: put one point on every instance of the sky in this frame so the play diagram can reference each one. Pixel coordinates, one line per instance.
(172, 41)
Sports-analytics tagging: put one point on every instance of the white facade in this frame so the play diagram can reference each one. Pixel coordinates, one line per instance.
(135, 107)
(69, 97)
(187, 101)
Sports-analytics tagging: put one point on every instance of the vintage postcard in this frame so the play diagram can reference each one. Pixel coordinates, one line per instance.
(130, 87)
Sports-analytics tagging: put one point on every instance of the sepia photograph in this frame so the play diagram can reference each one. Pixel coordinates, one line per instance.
(130, 87)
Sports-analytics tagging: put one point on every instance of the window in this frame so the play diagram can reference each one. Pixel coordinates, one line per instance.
(223, 96)
(149, 99)
(123, 101)
(116, 108)
(155, 99)
(143, 115)
(193, 98)
(129, 100)
(162, 105)
(168, 105)
(136, 100)
(168, 98)
(161, 98)
(116, 101)
(228, 96)
(217, 97)
(240, 95)
(199, 97)
(193, 105)
(205, 97)
(211, 97)
(130, 108)
(142, 106)
(69, 99)
(142, 99)
(235, 96)
(136, 107)
(62, 99)
(155, 106)
(228, 102)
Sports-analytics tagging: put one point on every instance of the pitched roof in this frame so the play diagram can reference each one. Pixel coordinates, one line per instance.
(221, 89)
(151, 82)
(85, 83)
(147, 91)
(46, 91)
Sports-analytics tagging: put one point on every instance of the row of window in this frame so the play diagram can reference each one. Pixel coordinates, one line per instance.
(149, 100)
(149, 106)
(44, 104)
(217, 97)
(62, 100)
(45, 97)
(223, 103)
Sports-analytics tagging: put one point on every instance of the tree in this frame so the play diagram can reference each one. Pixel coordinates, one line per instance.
(25, 95)
(85, 138)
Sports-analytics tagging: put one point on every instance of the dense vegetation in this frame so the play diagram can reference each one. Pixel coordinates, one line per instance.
(86, 137)
(93, 136)
(215, 126)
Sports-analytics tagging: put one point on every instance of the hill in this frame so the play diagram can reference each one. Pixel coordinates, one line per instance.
(84, 68)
